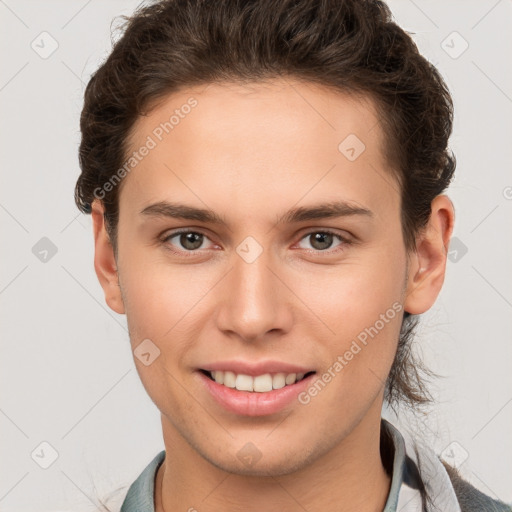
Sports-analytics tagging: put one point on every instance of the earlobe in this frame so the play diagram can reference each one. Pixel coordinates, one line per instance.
(427, 265)
(104, 260)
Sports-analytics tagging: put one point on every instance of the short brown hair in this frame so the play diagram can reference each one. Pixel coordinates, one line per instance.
(352, 46)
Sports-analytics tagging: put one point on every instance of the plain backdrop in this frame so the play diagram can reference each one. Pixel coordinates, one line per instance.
(67, 375)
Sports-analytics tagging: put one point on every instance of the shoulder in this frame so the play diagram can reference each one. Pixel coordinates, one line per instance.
(470, 498)
(442, 488)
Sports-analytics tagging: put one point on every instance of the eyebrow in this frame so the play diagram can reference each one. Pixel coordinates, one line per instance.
(333, 209)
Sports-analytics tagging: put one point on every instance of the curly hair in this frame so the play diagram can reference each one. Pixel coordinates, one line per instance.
(351, 46)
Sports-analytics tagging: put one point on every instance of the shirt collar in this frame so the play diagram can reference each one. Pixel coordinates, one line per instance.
(140, 496)
(417, 468)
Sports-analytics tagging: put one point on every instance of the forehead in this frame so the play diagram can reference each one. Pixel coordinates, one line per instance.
(279, 138)
(288, 108)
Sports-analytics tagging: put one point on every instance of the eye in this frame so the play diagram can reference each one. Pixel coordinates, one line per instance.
(190, 241)
(322, 240)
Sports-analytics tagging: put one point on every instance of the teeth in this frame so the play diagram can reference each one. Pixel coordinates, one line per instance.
(279, 381)
(244, 383)
(259, 384)
(290, 378)
(263, 383)
(229, 379)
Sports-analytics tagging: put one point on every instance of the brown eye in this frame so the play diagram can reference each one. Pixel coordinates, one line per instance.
(323, 240)
(191, 241)
(187, 241)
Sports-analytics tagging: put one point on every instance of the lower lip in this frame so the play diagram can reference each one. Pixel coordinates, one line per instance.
(249, 403)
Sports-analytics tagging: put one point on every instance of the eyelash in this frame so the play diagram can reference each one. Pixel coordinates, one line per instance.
(187, 254)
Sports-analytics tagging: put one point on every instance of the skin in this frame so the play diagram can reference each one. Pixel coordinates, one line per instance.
(251, 153)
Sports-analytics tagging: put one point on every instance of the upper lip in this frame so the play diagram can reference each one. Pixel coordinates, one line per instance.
(254, 369)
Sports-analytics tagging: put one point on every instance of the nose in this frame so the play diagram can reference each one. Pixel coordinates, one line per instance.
(255, 299)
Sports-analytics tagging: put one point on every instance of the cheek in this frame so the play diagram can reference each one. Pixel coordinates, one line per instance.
(364, 316)
(164, 302)
(353, 296)
(360, 308)
(151, 290)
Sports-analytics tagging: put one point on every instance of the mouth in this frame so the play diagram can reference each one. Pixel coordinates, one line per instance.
(255, 384)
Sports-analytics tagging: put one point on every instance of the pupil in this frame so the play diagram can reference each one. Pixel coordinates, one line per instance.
(188, 238)
(320, 238)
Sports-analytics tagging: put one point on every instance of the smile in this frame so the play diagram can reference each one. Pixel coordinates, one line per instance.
(258, 384)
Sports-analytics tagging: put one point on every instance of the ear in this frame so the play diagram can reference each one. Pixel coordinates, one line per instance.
(427, 264)
(104, 260)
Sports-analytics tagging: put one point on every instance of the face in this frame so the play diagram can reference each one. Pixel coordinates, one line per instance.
(273, 281)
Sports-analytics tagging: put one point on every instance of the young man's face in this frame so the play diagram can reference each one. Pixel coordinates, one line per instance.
(260, 288)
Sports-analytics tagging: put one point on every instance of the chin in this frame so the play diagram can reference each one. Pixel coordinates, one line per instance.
(249, 461)
(274, 468)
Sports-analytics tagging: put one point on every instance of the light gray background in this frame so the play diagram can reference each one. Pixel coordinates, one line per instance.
(67, 374)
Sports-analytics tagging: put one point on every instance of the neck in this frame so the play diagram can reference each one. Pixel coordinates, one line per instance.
(348, 478)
